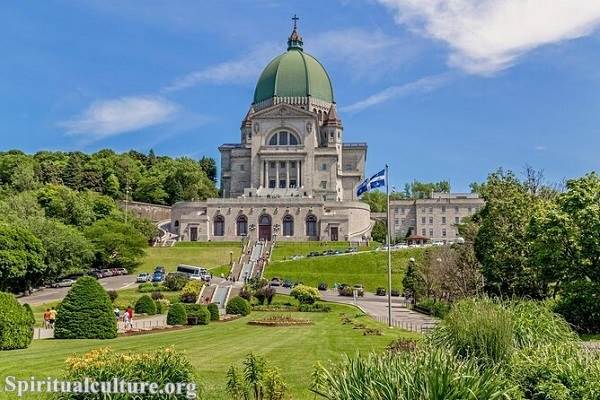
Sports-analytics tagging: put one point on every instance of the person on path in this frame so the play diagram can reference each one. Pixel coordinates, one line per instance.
(52, 317)
(117, 313)
(128, 318)
(47, 318)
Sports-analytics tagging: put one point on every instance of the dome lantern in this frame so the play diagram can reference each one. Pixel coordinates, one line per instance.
(295, 40)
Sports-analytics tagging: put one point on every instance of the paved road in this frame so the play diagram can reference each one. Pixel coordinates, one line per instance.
(377, 308)
(55, 294)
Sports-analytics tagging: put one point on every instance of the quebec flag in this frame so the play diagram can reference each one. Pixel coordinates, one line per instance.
(377, 180)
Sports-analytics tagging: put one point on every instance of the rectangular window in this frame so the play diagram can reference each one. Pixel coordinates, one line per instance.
(423, 232)
(323, 167)
(430, 209)
(431, 220)
(443, 209)
(283, 138)
(395, 211)
(292, 164)
(455, 209)
(323, 184)
(281, 164)
(443, 220)
(282, 183)
(348, 167)
(422, 220)
(271, 183)
(443, 233)
(272, 164)
(456, 220)
(431, 232)
(242, 167)
(293, 183)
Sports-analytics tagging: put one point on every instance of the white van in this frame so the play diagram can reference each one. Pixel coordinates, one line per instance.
(193, 272)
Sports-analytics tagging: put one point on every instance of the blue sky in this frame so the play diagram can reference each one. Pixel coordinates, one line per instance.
(440, 89)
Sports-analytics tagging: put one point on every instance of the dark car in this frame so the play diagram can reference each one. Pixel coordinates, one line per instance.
(158, 277)
(96, 274)
(160, 269)
(313, 254)
(287, 283)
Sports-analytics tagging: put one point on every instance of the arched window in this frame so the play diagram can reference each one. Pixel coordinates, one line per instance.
(311, 226)
(219, 225)
(288, 225)
(264, 220)
(242, 225)
(284, 138)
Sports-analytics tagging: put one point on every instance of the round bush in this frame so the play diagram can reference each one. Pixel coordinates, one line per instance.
(16, 324)
(213, 309)
(175, 281)
(191, 291)
(197, 314)
(145, 305)
(238, 306)
(305, 294)
(29, 312)
(86, 312)
(159, 306)
(113, 295)
(579, 304)
(176, 315)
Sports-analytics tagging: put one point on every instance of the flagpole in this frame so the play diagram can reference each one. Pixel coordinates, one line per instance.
(389, 245)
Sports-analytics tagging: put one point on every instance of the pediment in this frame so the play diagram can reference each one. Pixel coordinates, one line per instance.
(283, 111)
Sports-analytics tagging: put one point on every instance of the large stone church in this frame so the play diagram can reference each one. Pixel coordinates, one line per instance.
(291, 176)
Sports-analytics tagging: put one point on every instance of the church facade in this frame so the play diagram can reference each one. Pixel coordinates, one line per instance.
(291, 176)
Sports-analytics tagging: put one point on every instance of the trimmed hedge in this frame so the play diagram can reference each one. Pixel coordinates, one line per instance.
(86, 312)
(16, 324)
(213, 309)
(197, 314)
(238, 306)
(29, 312)
(305, 294)
(176, 315)
(145, 305)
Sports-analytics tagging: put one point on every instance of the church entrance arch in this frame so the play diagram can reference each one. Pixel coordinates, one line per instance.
(264, 227)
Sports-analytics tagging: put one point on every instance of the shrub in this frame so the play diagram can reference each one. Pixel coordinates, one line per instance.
(16, 324)
(213, 309)
(257, 380)
(113, 295)
(175, 281)
(151, 287)
(145, 305)
(579, 304)
(85, 313)
(157, 295)
(322, 286)
(433, 374)
(246, 294)
(265, 293)
(176, 315)
(305, 294)
(29, 313)
(380, 291)
(191, 291)
(438, 309)
(238, 306)
(160, 366)
(197, 314)
(535, 324)
(317, 307)
(159, 306)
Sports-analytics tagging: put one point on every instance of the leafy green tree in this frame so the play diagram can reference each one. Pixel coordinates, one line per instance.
(116, 244)
(502, 243)
(21, 258)
(379, 232)
(376, 199)
(111, 186)
(150, 189)
(209, 166)
(413, 281)
(72, 173)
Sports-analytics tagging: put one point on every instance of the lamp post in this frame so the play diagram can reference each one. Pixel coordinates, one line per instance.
(230, 258)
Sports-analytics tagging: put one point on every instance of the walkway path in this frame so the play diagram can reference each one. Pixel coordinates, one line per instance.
(377, 308)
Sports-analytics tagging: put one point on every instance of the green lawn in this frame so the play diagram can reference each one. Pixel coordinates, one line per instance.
(208, 255)
(595, 336)
(285, 250)
(369, 269)
(213, 348)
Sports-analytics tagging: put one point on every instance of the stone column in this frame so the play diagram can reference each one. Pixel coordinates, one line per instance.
(287, 174)
(266, 174)
(262, 175)
(276, 174)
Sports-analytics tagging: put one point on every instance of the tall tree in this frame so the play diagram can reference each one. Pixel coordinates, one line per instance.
(209, 166)
(21, 258)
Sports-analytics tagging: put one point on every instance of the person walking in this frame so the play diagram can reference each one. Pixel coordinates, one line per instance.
(52, 317)
(129, 313)
(117, 313)
(47, 318)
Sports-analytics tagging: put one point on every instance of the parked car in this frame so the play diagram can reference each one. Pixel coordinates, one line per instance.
(96, 274)
(106, 273)
(160, 268)
(313, 254)
(287, 283)
(360, 291)
(322, 286)
(64, 283)
(143, 277)
(158, 277)
(275, 282)
(122, 271)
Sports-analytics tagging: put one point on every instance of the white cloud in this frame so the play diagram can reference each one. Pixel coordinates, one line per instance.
(540, 148)
(486, 36)
(423, 85)
(112, 117)
(241, 70)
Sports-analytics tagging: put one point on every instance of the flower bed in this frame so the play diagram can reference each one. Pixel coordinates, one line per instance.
(280, 320)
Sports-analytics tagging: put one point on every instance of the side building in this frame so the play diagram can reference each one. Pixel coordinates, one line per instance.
(435, 218)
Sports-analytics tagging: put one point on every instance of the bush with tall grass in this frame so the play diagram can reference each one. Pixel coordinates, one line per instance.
(427, 373)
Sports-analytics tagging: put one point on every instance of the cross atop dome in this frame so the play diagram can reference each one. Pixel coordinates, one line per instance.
(295, 40)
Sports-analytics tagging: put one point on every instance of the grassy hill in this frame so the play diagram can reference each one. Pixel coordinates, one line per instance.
(208, 255)
(367, 268)
(213, 348)
(286, 250)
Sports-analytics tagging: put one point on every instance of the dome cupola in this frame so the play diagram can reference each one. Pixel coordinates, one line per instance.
(294, 74)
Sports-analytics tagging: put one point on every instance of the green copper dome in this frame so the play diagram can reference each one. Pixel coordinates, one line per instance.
(294, 74)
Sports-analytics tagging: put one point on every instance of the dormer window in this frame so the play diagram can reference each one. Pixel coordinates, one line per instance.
(284, 138)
